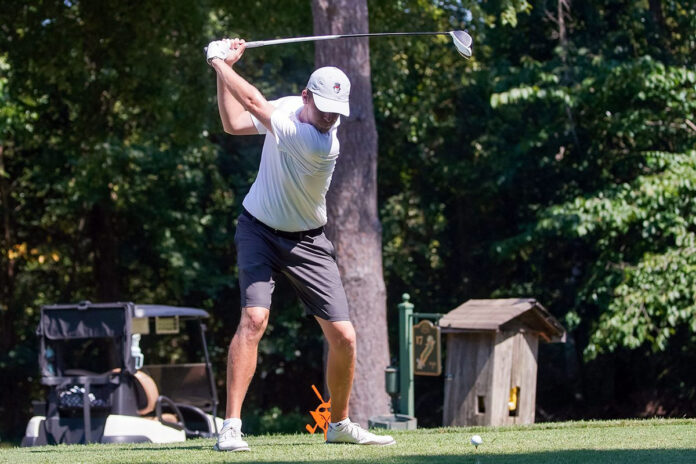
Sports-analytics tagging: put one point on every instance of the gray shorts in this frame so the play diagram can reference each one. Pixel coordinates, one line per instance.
(309, 263)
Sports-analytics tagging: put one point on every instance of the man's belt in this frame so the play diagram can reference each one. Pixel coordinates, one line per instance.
(281, 233)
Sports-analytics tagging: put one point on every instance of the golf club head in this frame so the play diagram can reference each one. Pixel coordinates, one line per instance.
(462, 41)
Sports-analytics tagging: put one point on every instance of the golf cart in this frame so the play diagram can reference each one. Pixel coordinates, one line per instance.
(100, 390)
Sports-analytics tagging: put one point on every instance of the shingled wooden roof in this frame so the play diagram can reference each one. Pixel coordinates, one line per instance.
(504, 314)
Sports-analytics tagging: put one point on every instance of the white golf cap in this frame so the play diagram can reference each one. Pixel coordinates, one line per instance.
(331, 88)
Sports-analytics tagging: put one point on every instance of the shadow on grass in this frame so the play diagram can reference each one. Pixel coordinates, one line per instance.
(648, 456)
(50, 449)
(656, 456)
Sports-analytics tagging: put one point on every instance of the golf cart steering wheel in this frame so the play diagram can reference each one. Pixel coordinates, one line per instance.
(179, 425)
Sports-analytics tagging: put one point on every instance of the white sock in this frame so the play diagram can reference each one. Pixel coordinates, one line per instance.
(340, 423)
(232, 422)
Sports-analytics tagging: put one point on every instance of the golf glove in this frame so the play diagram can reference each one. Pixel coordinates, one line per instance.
(217, 49)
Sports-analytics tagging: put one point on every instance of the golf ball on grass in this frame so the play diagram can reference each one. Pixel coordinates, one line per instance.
(476, 440)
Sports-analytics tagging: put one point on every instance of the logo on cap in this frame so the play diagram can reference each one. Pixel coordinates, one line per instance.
(337, 87)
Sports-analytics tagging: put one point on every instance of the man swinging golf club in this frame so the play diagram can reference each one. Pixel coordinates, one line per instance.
(280, 230)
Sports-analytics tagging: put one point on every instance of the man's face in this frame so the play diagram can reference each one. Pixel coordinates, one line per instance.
(323, 122)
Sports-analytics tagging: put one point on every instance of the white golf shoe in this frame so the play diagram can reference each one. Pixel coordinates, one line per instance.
(353, 433)
(230, 439)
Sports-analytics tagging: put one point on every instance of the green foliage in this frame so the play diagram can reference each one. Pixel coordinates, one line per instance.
(633, 213)
(558, 169)
(557, 163)
(276, 421)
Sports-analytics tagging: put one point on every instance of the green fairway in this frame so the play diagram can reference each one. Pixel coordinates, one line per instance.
(647, 441)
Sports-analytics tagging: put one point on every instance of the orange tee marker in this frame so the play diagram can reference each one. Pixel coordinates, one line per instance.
(321, 415)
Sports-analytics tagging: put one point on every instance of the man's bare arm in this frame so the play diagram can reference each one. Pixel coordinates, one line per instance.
(235, 119)
(244, 96)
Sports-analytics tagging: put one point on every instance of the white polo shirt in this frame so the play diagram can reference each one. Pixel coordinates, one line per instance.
(297, 163)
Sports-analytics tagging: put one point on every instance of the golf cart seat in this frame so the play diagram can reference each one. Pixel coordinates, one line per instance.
(178, 410)
(183, 383)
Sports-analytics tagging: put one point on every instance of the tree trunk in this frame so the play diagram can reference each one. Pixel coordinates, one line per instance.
(660, 26)
(563, 14)
(7, 279)
(105, 247)
(353, 224)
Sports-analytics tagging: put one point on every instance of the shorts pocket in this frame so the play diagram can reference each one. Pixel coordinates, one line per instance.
(241, 229)
(328, 246)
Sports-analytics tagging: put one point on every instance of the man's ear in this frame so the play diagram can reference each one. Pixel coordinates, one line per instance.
(305, 96)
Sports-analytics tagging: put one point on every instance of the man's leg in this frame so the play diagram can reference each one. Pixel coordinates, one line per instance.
(340, 368)
(340, 365)
(241, 358)
(241, 365)
(314, 275)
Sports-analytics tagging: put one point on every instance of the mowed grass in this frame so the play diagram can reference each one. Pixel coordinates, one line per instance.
(631, 441)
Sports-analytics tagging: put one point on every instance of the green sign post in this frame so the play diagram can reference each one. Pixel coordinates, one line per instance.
(428, 352)
(406, 402)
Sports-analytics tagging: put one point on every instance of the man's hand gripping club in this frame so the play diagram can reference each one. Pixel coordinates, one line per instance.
(230, 51)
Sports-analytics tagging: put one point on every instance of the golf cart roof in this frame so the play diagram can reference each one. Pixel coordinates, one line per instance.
(146, 310)
(86, 319)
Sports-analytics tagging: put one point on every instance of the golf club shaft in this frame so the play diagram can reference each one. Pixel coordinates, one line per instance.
(262, 43)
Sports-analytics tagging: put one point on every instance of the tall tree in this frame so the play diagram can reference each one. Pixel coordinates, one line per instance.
(352, 202)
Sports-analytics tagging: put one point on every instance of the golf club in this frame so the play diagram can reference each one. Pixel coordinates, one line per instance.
(461, 39)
